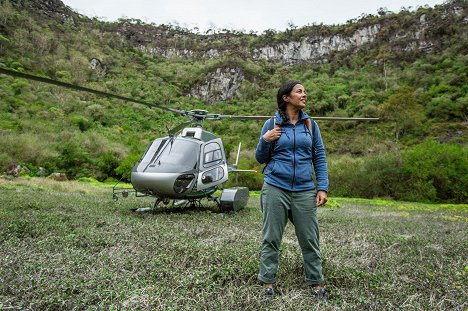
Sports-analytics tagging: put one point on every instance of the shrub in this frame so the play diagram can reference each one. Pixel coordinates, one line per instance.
(436, 172)
(429, 172)
(75, 160)
(367, 177)
(82, 123)
(444, 108)
(107, 164)
(32, 150)
(125, 168)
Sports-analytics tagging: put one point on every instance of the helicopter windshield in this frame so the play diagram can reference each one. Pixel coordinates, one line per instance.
(180, 155)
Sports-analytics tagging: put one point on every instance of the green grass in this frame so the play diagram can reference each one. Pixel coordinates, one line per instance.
(69, 246)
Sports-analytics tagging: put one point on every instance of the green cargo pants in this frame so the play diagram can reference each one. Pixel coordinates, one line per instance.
(277, 206)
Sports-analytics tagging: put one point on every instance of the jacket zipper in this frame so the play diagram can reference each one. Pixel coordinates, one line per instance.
(294, 157)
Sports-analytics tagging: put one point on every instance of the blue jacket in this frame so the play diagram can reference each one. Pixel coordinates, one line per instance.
(290, 167)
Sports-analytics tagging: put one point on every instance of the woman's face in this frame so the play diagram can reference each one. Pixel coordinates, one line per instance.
(297, 98)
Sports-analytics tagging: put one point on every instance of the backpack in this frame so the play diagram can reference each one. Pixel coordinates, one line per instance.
(271, 125)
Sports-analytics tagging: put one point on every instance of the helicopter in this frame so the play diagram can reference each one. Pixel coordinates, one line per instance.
(184, 167)
(188, 167)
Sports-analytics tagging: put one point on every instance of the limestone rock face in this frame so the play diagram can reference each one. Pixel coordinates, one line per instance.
(97, 66)
(54, 9)
(315, 49)
(225, 83)
(219, 85)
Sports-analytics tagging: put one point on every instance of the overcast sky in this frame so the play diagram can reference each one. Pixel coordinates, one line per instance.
(245, 15)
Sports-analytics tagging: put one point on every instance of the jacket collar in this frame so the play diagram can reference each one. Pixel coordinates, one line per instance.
(302, 117)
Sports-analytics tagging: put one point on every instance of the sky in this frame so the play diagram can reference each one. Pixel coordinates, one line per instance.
(243, 15)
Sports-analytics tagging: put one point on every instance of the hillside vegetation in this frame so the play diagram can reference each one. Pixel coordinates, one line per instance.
(417, 151)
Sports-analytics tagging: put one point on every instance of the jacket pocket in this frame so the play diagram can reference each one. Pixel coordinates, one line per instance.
(282, 171)
(304, 174)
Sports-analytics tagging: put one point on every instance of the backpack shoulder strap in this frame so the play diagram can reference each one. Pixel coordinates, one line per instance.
(310, 123)
(271, 125)
(312, 126)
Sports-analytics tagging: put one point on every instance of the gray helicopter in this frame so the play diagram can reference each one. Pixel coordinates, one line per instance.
(187, 166)
(184, 167)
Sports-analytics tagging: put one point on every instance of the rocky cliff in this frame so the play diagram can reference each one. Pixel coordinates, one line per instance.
(315, 49)
(420, 31)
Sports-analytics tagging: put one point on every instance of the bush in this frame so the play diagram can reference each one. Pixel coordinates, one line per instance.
(82, 123)
(429, 172)
(436, 172)
(107, 164)
(444, 108)
(366, 177)
(125, 168)
(74, 160)
(32, 150)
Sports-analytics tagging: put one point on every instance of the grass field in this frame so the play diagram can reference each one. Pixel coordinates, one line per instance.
(69, 246)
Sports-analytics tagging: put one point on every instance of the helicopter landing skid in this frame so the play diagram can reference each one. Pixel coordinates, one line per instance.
(194, 203)
(178, 205)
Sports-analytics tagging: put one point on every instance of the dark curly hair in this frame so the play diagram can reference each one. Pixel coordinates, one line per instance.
(285, 89)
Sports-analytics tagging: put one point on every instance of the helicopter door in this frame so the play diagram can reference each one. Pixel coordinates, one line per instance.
(213, 167)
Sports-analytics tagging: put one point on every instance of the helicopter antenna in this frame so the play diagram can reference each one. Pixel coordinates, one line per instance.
(238, 153)
(237, 163)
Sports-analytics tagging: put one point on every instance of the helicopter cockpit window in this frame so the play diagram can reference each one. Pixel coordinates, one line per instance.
(180, 155)
(212, 154)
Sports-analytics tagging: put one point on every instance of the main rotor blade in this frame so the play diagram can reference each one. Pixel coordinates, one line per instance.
(315, 118)
(345, 118)
(222, 116)
(81, 88)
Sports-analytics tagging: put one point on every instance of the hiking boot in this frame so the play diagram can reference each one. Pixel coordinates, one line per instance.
(269, 292)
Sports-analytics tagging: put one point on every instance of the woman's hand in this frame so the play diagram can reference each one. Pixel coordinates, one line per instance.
(321, 198)
(272, 134)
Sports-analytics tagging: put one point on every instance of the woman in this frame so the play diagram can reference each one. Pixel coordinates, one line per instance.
(288, 191)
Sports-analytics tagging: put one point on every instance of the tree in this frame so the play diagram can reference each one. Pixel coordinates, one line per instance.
(404, 108)
(382, 57)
